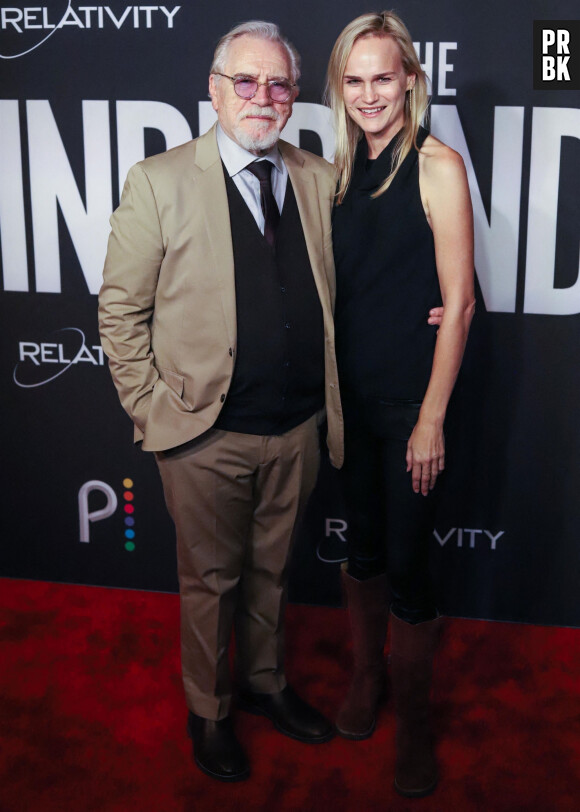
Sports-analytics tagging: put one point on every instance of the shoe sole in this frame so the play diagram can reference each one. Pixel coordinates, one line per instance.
(305, 740)
(416, 793)
(219, 777)
(357, 737)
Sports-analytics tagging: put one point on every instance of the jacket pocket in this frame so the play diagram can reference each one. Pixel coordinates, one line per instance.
(173, 380)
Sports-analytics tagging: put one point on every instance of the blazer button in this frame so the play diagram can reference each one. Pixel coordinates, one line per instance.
(231, 352)
(222, 398)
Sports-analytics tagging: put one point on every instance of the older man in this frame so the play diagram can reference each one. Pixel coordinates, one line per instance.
(216, 315)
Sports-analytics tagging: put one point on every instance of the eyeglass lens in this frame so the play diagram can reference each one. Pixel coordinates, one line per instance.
(278, 91)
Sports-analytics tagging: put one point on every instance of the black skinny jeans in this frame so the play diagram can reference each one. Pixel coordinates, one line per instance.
(389, 525)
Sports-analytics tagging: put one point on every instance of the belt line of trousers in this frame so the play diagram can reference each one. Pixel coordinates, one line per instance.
(236, 500)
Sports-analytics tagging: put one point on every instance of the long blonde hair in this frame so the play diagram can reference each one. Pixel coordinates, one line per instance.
(348, 134)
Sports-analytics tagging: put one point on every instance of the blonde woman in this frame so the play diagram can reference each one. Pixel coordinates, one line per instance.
(403, 242)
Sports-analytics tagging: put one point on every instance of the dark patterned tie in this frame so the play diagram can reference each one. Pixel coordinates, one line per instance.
(262, 170)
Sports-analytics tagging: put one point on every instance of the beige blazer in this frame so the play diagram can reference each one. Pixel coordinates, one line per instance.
(167, 310)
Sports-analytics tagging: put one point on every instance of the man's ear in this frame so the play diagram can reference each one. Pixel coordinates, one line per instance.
(295, 95)
(213, 91)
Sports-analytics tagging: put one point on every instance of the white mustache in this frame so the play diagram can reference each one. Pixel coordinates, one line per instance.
(256, 110)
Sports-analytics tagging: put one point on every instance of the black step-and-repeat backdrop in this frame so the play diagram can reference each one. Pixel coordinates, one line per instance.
(86, 91)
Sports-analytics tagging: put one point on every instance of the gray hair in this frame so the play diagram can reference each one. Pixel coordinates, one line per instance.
(260, 30)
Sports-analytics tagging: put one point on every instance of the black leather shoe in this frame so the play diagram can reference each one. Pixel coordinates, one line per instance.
(216, 750)
(291, 715)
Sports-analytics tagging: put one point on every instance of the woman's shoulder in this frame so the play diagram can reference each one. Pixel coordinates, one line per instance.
(438, 162)
(439, 159)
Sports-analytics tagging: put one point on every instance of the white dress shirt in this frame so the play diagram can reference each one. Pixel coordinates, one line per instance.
(236, 159)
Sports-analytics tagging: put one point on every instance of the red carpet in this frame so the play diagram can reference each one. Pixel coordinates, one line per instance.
(92, 715)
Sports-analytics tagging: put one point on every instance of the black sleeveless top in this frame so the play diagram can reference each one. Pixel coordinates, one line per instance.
(386, 280)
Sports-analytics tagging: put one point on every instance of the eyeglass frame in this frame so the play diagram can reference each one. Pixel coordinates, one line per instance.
(267, 84)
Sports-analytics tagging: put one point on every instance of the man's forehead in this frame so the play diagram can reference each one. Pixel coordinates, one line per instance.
(253, 55)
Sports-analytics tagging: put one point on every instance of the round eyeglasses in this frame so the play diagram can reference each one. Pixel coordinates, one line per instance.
(279, 90)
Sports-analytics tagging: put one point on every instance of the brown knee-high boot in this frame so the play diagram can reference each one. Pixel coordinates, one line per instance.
(412, 651)
(368, 608)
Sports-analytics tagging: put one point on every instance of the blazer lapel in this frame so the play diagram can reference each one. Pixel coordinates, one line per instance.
(308, 196)
(210, 191)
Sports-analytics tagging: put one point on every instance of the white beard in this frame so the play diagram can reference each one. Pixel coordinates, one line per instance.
(263, 138)
(258, 142)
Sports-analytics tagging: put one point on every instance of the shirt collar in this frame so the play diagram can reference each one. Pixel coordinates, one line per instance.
(236, 158)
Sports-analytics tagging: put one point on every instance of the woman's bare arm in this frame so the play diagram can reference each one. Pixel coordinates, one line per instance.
(447, 204)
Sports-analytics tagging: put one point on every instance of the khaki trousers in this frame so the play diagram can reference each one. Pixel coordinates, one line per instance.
(236, 500)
